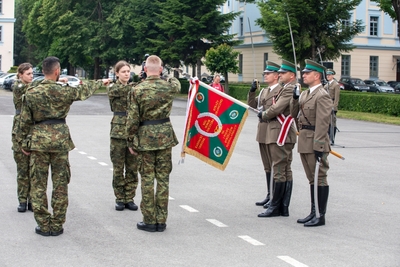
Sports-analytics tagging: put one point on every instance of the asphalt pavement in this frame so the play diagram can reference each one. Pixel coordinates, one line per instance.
(212, 216)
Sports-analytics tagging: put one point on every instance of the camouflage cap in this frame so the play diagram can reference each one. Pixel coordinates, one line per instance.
(330, 72)
(313, 66)
(287, 66)
(271, 67)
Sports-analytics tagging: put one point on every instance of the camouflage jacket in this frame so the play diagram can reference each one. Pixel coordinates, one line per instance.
(148, 101)
(49, 101)
(19, 88)
(118, 96)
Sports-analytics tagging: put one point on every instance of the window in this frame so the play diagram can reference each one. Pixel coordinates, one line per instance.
(373, 26)
(345, 23)
(265, 60)
(373, 66)
(0, 62)
(241, 26)
(1, 33)
(240, 63)
(345, 65)
(1, 6)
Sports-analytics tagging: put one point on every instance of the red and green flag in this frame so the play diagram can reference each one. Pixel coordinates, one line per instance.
(213, 124)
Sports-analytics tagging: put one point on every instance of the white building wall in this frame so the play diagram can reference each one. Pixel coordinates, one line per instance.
(7, 35)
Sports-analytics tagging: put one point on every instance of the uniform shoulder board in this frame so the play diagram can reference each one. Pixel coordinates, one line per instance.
(323, 91)
(62, 84)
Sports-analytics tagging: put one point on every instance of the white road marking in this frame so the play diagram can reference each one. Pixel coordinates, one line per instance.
(292, 261)
(111, 169)
(188, 208)
(92, 158)
(81, 152)
(251, 240)
(217, 223)
(103, 163)
(171, 198)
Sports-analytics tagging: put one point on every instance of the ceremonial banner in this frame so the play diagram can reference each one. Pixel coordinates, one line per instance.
(213, 124)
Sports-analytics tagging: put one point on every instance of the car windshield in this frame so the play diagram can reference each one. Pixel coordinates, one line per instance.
(357, 81)
(382, 83)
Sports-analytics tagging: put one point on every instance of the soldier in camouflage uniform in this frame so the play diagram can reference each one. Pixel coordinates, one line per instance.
(44, 135)
(151, 137)
(124, 185)
(24, 78)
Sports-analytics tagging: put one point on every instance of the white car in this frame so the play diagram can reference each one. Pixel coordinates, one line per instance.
(72, 80)
(6, 76)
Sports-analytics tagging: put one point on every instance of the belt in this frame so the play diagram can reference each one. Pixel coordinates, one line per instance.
(17, 111)
(154, 122)
(120, 113)
(307, 127)
(51, 121)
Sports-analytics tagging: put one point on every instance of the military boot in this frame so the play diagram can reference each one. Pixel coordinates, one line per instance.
(323, 193)
(21, 207)
(274, 208)
(286, 198)
(263, 202)
(312, 213)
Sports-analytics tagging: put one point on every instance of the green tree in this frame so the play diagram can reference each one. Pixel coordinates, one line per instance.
(222, 59)
(316, 25)
(189, 28)
(392, 8)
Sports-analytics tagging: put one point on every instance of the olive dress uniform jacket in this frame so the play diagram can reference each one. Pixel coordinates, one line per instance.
(316, 107)
(263, 102)
(282, 95)
(333, 89)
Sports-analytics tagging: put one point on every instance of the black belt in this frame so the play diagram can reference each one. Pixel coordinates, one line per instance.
(51, 121)
(307, 127)
(154, 122)
(17, 111)
(120, 113)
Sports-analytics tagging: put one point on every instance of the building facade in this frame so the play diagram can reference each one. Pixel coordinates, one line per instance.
(6, 34)
(377, 52)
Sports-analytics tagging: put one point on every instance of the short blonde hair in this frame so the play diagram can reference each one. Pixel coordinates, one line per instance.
(153, 63)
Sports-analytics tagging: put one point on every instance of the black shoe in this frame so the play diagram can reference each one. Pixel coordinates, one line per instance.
(146, 227)
(21, 207)
(131, 206)
(40, 232)
(57, 233)
(263, 202)
(30, 207)
(119, 206)
(161, 227)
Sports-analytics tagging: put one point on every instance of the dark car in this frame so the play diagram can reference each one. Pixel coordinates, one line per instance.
(8, 83)
(353, 84)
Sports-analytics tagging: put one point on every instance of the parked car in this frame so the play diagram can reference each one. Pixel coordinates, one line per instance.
(5, 76)
(353, 84)
(393, 84)
(72, 80)
(8, 82)
(379, 86)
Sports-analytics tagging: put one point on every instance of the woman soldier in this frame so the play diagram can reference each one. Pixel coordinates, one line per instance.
(124, 185)
(24, 78)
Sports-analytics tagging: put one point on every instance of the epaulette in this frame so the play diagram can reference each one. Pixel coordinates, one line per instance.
(62, 84)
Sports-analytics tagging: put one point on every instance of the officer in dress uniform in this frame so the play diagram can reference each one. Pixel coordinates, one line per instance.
(262, 102)
(45, 136)
(313, 108)
(281, 138)
(333, 89)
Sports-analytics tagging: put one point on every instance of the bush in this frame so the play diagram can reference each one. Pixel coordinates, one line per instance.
(13, 69)
(184, 85)
(388, 104)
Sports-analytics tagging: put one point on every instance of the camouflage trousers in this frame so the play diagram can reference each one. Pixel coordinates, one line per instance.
(124, 184)
(155, 166)
(60, 176)
(23, 181)
(281, 159)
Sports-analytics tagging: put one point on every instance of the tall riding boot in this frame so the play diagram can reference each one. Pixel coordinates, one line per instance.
(266, 200)
(323, 193)
(274, 208)
(312, 213)
(266, 205)
(286, 199)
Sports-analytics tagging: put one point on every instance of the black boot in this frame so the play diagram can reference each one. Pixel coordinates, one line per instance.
(286, 198)
(261, 203)
(21, 207)
(312, 213)
(274, 208)
(323, 193)
(30, 207)
(266, 205)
